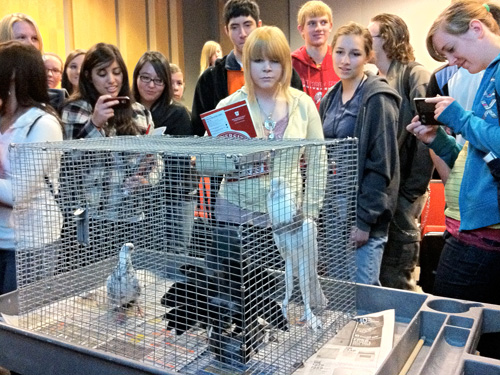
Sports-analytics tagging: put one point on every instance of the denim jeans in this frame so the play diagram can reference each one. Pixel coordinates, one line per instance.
(369, 259)
(468, 272)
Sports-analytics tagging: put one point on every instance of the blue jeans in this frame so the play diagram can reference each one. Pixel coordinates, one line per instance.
(468, 272)
(369, 259)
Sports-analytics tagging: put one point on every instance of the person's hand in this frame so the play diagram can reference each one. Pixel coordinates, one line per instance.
(359, 237)
(441, 103)
(424, 133)
(103, 110)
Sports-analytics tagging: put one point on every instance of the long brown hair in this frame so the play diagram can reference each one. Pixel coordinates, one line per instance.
(65, 83)
(394, 31)
(103, 54)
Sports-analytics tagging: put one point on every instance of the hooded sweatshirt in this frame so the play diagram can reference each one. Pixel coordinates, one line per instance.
(38, 218)
(316, 78)
(378, 157)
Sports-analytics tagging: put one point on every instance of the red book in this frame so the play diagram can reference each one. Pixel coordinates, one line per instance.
(232, 121)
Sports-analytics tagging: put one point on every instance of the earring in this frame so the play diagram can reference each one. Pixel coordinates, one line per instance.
(9, 93)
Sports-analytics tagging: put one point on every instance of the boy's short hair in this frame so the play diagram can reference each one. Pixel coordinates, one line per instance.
(312, 9)
(238, 8)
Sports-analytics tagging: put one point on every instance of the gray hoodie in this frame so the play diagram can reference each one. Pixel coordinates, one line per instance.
(378, 158)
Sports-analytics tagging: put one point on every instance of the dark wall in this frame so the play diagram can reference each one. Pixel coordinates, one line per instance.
(276, 13)
(201, 23)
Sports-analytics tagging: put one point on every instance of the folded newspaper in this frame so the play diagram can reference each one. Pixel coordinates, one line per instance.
(358, 349)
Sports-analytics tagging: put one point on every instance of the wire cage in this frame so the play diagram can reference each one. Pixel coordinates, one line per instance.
(195, 255)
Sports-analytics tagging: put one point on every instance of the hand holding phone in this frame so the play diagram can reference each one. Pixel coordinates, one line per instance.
(426, 112)
(103, 111)
(123, 101)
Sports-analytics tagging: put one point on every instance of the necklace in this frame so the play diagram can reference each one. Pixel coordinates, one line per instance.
(269, 123)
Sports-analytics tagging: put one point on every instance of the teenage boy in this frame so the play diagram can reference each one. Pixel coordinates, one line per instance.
(395, 61)
(313, 62)
(241, 17)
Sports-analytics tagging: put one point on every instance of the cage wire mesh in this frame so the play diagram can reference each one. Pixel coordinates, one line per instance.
(137, 246)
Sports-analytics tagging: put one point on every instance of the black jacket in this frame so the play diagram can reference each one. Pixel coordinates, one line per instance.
(211, 88)
(175, 118)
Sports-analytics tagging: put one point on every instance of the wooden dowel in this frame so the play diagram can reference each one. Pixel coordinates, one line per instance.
(413, 355)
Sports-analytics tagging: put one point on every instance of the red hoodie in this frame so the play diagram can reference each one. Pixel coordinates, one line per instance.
(316, 80)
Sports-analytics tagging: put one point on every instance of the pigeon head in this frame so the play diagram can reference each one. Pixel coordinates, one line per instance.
(126, 250)
(128, 247)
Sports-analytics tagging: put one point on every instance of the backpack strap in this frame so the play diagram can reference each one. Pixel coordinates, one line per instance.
(406, 77)
(31, 126)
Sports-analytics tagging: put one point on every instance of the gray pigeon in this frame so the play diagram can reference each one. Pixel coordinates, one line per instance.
(123, 286)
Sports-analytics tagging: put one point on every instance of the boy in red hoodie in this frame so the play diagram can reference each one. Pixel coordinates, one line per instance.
(314, 61)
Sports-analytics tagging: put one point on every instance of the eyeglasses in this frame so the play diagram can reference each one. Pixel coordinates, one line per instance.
(55, 72)
(157, 81)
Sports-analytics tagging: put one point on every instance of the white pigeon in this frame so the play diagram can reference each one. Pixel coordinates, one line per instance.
(122, 285)
(280, 202)
(296, 239)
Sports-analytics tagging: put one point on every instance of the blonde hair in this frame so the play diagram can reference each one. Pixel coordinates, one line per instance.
(209, 49)
(174, 68)
(455, 20)
(267, 42)
(7, 23)
(312, 9)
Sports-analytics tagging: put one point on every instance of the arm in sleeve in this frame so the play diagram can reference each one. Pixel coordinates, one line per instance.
(77, 120)
(296, 82)
(483, 135)
(446, 147)
(47, 128)
(421, 168)
(382, 161)
(203, 100)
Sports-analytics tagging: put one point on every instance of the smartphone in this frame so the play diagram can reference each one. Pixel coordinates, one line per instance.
(123, 101)
(426, 112)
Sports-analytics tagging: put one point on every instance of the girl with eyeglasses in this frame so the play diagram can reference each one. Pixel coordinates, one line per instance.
(152, 88)
(118, 178)
(53, 66)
